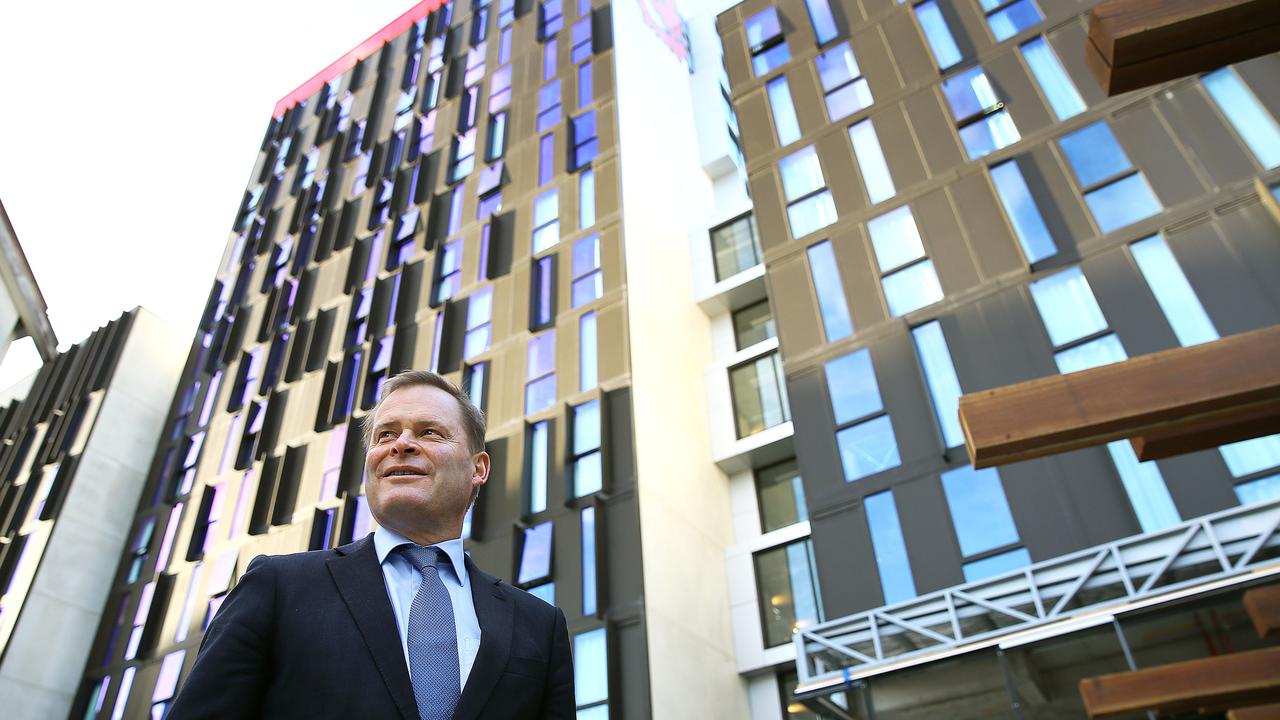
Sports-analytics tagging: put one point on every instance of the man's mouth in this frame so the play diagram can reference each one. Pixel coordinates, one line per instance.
(402, 473)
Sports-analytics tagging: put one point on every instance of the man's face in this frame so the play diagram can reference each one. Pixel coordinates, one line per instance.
(420, 469)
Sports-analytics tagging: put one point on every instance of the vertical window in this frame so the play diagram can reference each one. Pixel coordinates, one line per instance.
(1173, 293)
(587, 360)
(937, 34)
(535, 555)
(843, 86)
(580, 39)
(589, 561)
(780, 495)
(906, 272)
(983, 524)
(810, 206)
(586, 199)
(759, 395)
(787, 585)
(1010, 17)
(139, 549)
(1260, 490)
(784, 111)
(500, 89)
(166, 543)
(546, 220)
(1117, 194)
(475, 382)
(735, 247)
(550, 19)
(588, 470)
(479, 322)
(463, 156)
(864, 432)
(1252, 456)
(548, 106)
(940, 376)
(189, 603)
(122, 696)
(546, 158)
(889, 547)
(449, 278)
(1054, 82)
(539, 453)
(591, 675)
(167, 682)
(540, 389)
(1019, 205)
(496, 143)
(983, 122)
(753, 324)
(401, 249)
(764, 38)
(542, 284)
(824, 23)
(582, 138)
(830, 292)
(550, 52)
(586, 90)
(875, 171)
(588, 281)
(1254, 124)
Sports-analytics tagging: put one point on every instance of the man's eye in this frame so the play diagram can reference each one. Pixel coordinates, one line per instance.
(429, 431)
(386, 435)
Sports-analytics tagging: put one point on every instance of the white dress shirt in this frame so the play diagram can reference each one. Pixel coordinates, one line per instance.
(403, 580)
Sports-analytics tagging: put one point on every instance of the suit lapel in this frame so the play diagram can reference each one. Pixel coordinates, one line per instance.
(358, 576)
(494, 611)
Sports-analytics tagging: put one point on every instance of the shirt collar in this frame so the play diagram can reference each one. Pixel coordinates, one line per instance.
(384, 541)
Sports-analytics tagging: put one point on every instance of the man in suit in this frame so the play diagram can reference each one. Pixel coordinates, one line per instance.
(400, 623)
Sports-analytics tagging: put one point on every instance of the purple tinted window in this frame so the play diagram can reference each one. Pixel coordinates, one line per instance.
(535, 555)
(504, 46)
(549, 59)
(215, 604)
(220, 572)
(455, 210)
(360, 524)
(581, 33)
(487, 206)
(166, 544)
(548, 105)
(500, 89)
(585, 90)
(215, 510)
(482, 265)
(167, 683)
(490, 180)
(228, 448)
(585, 145)
(542, 354)
(546, 158)
(375, 254)
(209, 397)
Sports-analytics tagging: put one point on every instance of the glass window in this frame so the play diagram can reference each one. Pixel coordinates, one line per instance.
(1007, 19)
(1260, 490)
(996, 564)
(550, 19)
(875, 171)
(1102, 351)
(589, 561)
(474, 383)
(845, 90)
(587, 360)
(167, 681)
(759, 395)
(1252, 121)
(586, 199)
(542, 283)
(535, 554)
(1145, 486)
(787, 582)
(938, 35)
(546, 220)
(851, 382)
(189, 604)
(830, 292)
(450, 272)
(1054, 81)
(768, 46)
(587, 466)
(1116, 194)
(940, 376)
(540, 392)
(983, 123)
(139, 549)
(464, 156)
(548, 106)
(908, 277)
(585, 85)
(780, 494)
(1122, 203)
(590, 668)
(1250, 456)
(479, 322)
(735, 247)
(810, 206)
(1173, 293)
(122, 697)
(784, 112)
(824, 23)
(1067, 306)
(546, 158)
(496, 144)
(539, 453)
(979, 510)
(1028, 226)
(582, 137)
(753, 324)
(890, 548)
(588, 281)
(581, 41)
(865, 434)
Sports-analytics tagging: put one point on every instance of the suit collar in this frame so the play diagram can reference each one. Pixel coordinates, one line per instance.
(358, 575)
(495, 611)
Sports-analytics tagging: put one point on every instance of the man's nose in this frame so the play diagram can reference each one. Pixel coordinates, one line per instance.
(404, 442)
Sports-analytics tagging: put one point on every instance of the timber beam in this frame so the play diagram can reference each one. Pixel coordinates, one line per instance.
(1214, 684)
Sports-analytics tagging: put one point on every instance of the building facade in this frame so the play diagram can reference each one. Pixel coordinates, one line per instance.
(718, 283)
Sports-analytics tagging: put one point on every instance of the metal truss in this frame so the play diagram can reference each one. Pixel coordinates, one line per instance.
(1068, 591)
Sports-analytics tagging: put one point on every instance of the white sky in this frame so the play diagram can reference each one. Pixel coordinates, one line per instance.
(127, 134)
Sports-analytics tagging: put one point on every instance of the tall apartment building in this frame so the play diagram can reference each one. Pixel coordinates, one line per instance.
(724, 433)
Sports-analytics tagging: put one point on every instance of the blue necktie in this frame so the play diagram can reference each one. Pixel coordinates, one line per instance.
(433, 640)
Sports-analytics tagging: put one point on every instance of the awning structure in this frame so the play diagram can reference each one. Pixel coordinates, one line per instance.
(20, 283)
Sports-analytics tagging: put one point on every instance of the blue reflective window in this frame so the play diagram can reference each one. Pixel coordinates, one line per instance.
(586, 199)
(1067, 306)
(810, 206)
(845, 89)
(824, 23)
(787, 588)
(851, 384)
(811, 214)
(979, 509)
(911, 288)
(940, 375)
(1181, 307)
(868, 448)
(871, 162)
(1102, 351)
(895, 238)
(890, 548)
(540, 392)
(1252, 121)
(996, 564)
(535, 554)
(936, 32)
(1260, 490)
(1037, 244)
(1012, 18)
(784, 111)
(830, 292)
(546, 592)
(538, 451)
(1054, 81)
(548, 105)
(1123, 202)
(1145, 486)
(984, 124)
(587, 352)
(582, 137)
(759, 395)
(585, 88)
(588, 281)
(589, 561)
(1094, 153)
(546, 220)
(764, 37)
(587, 466)
(590, 667)
(1250, 456)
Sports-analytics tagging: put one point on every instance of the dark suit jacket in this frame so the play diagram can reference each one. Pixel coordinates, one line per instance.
(313, 635)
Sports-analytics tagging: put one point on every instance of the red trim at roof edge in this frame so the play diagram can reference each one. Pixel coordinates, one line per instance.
(356, 54)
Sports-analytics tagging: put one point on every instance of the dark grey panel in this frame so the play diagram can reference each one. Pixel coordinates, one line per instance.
(944, 242)
(900, 150)
(1215, 148)
(861, 277)
(994, 248)
(1127, 303)
(935, 131)
(795, 310)
(926, 527)
(1227, 287)
(1147, 142)
(847, 572)
(910, 56)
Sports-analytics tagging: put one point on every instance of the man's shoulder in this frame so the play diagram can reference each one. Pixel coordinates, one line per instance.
(307, 560)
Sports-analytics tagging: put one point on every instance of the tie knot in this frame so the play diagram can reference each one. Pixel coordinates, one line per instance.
(423, 557)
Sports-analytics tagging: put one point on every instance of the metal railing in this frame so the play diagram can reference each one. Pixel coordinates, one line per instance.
(1214, 550)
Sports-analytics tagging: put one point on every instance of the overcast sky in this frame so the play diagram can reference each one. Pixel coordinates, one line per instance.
(127, 134)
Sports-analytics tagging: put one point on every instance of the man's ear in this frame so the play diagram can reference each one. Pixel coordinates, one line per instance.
(480, 468)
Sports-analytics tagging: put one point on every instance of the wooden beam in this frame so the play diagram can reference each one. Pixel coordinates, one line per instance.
(1263, 606)
(1156, 392)
(1233, 426)
(1257, 712)
(1210, 684)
